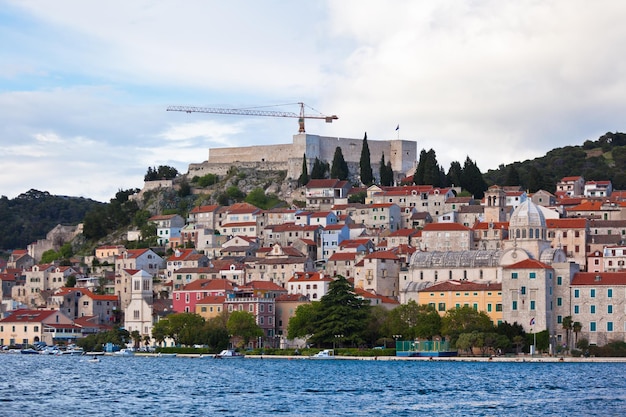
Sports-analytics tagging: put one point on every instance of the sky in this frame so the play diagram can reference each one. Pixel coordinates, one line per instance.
(84, 85)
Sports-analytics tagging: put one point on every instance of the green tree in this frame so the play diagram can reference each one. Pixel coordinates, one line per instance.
(71, 281)
(428, 171)
(472, 179)
(234, 193)
(365, 164)
(320, 168)
(386, 172)
(412, 320)
(512, 176)
(464, 320)
(304, 176)
(136, 336)
(184, 328)
(341, 312)
(453, 177)
(567, 326)
(242, 324)
(302, 324)
(339, 168)
(216, 333)
(357, 197)
(535, 180)
(576, 328)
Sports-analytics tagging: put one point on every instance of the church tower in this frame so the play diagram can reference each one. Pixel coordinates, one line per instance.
(138, 314)
(495, 205)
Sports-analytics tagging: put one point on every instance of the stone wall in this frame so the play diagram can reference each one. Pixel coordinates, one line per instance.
(401, 153)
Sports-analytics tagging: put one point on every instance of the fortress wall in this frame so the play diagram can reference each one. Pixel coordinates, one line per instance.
(402, 155)
(265, 153)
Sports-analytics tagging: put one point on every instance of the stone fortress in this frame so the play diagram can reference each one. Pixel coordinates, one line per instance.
(401, 153)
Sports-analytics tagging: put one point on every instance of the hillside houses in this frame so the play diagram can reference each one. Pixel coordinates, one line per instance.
(515, 255)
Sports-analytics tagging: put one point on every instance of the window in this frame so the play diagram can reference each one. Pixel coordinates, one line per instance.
(498, 307)
(489, 307)
(592, 309)
(576, 293)
(592, 326)
(609, 326)
(514, 275)
(442, 307)
(609, 309)
(559, 319)
(576, 309)
(523, 290)
(609, 293)
(533, 275)
(532, 304)
(475, 306)
(514, 307)
(592, 293)
(559, 280)
(559, 301)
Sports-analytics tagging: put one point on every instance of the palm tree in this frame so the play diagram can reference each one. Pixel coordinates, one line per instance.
(577, 327)
(146, 340)
(567, 325)
(136, 336)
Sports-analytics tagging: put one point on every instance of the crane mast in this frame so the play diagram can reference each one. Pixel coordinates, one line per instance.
(255, 112)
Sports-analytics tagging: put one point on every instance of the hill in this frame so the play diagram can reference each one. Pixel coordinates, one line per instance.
(31, 215)
(603, 159)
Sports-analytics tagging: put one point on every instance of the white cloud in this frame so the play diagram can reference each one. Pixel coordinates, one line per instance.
(88, 83)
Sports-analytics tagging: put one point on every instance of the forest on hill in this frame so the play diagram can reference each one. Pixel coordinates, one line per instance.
(603, 159)
(31, 215)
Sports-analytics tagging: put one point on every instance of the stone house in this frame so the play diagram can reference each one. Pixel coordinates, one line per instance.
(313, 285)
(378, 273)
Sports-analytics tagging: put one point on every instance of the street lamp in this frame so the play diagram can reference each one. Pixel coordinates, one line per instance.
(337, 336)
(396, 337)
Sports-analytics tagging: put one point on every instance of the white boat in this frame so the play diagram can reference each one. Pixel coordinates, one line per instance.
(229, 354)
(124, 352)
(324, 354)
(94, 359)
(166, 355)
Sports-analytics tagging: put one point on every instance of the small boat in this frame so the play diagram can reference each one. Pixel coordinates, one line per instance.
(73, 350)
(94, 359)
(324, 354)
(166, 355)
(124, 352)
(229, 354)
(29, 351)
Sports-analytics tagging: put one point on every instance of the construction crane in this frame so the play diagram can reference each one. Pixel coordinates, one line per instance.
(253, 112)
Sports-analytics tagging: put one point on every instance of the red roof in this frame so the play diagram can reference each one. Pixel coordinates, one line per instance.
(209, 285)
(212, 299)
(572, 223)
(453, 285)
(528, 264)
(599, 278)
(309, 276)
(205, 209)
(587, 206)
(485, 225)
(382, 255)
(342, 256)
(28, 316)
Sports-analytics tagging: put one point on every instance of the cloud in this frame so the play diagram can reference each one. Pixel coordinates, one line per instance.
(86, 86)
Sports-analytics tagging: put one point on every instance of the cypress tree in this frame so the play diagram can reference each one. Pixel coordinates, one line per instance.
(304, 176)
(386, 172)
(367, 177)
(339, 168)
(472, 179)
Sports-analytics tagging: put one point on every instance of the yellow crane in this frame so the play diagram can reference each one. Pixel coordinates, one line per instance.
(256, 112)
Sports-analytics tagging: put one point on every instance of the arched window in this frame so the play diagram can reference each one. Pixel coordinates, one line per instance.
(523, 233)
(530, 233)
(517, 233)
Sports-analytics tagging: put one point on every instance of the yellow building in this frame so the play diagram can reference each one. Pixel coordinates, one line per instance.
(451, 294)
(210, 306)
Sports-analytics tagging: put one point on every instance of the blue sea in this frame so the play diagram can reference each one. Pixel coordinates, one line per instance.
(38, 385)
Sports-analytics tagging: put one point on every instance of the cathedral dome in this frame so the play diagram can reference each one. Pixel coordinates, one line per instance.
(526, 215)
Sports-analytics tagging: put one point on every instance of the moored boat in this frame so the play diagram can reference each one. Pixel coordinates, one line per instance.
(324, 354)
(229, 354)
